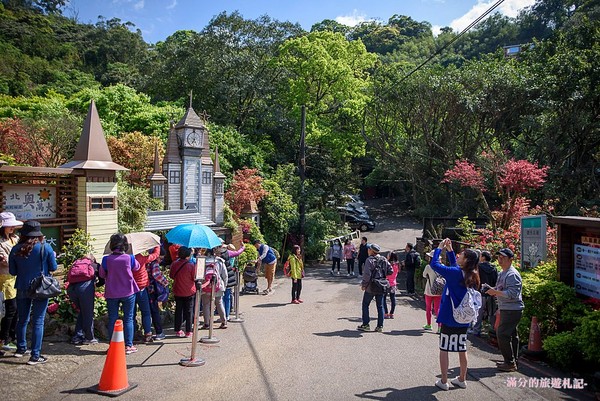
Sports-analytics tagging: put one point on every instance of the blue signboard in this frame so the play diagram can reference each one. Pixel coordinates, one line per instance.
(533, 240)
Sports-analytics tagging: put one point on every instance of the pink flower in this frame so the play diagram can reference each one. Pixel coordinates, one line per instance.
(52, 308)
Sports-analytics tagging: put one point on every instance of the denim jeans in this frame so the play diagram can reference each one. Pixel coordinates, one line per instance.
(227, 297)
(392, 302)
(37, 309)
(126, 304)
(142, 301)
(367, 298)
(83, 296)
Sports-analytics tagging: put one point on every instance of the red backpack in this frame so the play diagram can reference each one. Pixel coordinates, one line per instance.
(81, 270)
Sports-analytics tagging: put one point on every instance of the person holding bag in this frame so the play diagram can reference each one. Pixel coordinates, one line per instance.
(460, 275)
(30, 257)
(8, 239)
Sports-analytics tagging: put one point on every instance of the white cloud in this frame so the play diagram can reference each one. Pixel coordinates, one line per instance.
(436, 29)
(172, 5)
(351, 20)
(510, 8)
(139, 5)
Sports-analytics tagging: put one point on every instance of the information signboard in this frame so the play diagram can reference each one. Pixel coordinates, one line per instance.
(587, 270)
(533, 240)
(30, 202)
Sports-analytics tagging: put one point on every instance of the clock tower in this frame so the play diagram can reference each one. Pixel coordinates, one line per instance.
(188, 166)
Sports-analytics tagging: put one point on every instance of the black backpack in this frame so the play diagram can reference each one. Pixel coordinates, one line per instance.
(379, 283)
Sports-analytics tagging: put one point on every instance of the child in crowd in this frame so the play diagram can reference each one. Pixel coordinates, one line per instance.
(158, 292)
(183, 273)
(393, 259)
(430, 298)
(296, 273)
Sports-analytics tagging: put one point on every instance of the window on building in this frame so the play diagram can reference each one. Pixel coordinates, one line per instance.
(157, 190)
(206, 177)
(102, 203)
(174, 177)
(219, 188)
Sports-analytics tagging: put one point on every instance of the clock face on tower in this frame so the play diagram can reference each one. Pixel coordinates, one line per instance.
(193, 139)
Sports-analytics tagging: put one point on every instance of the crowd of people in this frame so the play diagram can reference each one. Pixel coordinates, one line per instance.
(135, 283)
(445, 288)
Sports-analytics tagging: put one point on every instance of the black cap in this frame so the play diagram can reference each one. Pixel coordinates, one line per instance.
(32, 228)
(506, 252)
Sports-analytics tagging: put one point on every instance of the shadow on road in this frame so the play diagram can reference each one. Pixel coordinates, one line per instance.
(423, 393)
(341, 333)
(271, 305)
(411, 333)
(351, 319)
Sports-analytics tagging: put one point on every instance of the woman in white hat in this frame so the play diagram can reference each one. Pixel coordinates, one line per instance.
(8, 239)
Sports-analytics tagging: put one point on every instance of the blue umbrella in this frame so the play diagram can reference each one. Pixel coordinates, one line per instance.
(194, 236)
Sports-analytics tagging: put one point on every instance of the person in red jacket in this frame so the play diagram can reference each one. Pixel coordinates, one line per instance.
(141, 298)
(183, 273)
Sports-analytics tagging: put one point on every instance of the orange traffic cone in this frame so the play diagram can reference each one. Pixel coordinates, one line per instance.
(535, 339)
(113, 381)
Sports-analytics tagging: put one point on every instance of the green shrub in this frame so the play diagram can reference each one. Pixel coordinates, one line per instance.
(320, 225)
(75, 248)
(250, 254)
(563, 350)
(589, 337)
(556, 306)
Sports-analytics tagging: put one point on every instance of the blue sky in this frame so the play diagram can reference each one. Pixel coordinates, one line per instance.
(157, 19)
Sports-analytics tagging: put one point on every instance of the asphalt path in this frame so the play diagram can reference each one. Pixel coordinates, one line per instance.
(310, 351)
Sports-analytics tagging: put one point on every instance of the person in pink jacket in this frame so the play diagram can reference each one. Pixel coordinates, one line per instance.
(393, 259)
(349, 255)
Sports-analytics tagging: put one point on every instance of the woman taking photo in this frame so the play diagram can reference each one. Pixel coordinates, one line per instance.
(30, 257)
(460, 275)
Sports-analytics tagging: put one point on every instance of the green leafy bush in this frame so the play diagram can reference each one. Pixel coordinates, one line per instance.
(589, 337)
(556, 306)
(75, 248)
(320, 225)
(250, 254)
(563, 349)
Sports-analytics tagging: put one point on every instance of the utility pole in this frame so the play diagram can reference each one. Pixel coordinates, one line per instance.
(302, 173)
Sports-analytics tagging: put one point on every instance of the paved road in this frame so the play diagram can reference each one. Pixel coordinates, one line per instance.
(282, 351)
(309, 352)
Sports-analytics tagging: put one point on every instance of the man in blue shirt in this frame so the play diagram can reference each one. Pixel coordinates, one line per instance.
(267, 257)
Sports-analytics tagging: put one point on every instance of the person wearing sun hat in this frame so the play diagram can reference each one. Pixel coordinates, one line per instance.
(510, 303)
(369, 291)
(30, 256)
(8, 239)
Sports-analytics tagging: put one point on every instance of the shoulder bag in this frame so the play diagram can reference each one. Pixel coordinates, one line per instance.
(43, 287)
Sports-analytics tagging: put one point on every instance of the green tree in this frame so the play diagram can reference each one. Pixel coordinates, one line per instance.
(278, 214)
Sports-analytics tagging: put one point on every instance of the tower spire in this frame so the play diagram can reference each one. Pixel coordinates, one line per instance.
(191, 95)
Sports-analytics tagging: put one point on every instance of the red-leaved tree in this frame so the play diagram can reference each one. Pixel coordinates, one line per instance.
(246, 187)
(512, 180)
(135, 151)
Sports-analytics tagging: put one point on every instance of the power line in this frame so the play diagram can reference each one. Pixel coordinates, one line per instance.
(464, 31)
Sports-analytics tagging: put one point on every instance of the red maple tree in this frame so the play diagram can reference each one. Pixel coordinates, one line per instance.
(512, 180)
(245, 188)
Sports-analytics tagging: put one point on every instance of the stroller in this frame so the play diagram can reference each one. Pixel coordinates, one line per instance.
(250, 279)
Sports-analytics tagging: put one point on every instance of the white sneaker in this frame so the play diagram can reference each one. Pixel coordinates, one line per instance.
(456, 382)
(338, 272)
(443, 386)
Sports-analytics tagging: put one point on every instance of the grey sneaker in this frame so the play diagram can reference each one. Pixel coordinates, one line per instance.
(364, 327)
(379, 329)
(160, 337)
(37, 361)
(90, 342)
